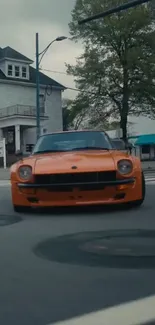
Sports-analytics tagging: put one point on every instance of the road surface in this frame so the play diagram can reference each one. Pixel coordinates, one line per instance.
(35, 290)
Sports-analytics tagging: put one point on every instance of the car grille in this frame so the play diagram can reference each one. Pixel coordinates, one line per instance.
(76, 178)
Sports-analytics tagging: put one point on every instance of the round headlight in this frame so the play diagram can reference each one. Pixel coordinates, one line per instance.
(124, 166)
(25, 172)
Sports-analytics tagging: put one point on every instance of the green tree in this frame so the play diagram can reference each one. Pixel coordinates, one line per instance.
(66, 110)
(117, 68)
(75, 111)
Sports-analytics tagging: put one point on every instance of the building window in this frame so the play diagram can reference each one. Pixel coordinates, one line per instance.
(29, 147)
(24, 72)
(145, 149)
(17, 71)
(10, 70)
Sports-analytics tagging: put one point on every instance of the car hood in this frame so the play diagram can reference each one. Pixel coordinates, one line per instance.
(82, 161)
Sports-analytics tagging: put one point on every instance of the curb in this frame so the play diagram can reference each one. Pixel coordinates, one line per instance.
(148, 169)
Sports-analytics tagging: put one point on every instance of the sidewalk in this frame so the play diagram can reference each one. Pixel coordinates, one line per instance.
(146, 165)
(4, 174)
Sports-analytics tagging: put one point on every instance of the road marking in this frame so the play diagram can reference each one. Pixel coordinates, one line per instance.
(136, 312)
(4, 183)
(150, 181)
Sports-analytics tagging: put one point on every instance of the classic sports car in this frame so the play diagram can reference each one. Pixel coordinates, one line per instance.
(76, 168)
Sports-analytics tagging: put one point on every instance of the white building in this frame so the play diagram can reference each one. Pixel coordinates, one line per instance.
(18, 102)
(141, 132)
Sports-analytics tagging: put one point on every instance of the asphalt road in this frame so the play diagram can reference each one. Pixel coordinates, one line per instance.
(36, 291)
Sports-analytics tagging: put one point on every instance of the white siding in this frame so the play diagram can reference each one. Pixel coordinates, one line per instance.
(137, 126)
(54, 111)
(24, 95)
(141, 125)
(13, 94)
(29, 137)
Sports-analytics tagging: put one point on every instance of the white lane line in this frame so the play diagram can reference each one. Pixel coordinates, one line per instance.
(150, 179)
(150, 182)
(137, 312)
(4, 183)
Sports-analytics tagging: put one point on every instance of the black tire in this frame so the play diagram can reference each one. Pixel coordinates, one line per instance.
(138, 203)
(21, 209)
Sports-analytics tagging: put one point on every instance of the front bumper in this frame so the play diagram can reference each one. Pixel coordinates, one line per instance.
(77, 185)
(52, 195)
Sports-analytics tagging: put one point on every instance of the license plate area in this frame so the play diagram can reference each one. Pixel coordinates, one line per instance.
(71, 188)
(75, 194)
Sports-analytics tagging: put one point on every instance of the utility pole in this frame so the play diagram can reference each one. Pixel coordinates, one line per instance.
(37, 87)
(38, 61)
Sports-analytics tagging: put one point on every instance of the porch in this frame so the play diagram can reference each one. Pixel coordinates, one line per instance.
(18, 127)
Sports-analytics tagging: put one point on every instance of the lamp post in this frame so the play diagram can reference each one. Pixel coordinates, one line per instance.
(39, 57)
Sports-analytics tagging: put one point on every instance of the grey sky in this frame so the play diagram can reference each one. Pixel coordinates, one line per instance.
(21, 19)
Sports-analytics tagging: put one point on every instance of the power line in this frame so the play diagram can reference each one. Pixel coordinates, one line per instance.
(75, 89)
(54, 71)
(79, 90)
(68, 88)
(113, 10)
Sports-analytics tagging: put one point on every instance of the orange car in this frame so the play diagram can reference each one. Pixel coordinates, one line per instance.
(76, 168)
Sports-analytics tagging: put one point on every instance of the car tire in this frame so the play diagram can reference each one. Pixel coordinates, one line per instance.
(21, 209)
(138, 203)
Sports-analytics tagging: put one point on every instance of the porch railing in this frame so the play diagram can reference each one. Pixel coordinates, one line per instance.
(21, 110)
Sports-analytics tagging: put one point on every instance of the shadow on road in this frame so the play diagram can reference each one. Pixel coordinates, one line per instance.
(87, 210)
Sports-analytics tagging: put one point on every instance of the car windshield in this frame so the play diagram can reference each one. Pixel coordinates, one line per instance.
(72, 141)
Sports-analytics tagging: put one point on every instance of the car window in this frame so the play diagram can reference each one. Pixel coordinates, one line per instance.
(67, 141)
(118, 144)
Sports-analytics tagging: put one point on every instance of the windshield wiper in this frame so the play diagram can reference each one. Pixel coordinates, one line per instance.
(47, 151)
(67, 150)
(90, 148)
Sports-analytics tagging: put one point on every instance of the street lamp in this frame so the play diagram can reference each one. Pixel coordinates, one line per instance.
(40, 55)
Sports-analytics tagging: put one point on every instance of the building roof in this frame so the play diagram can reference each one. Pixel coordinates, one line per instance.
(145, 139)
(44, 80)
(10, 53)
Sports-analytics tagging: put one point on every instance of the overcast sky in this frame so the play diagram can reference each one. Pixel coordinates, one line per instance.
(21, 19)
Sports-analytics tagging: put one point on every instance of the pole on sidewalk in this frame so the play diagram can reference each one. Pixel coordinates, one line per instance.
(37, 88)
